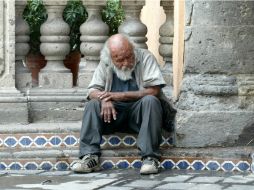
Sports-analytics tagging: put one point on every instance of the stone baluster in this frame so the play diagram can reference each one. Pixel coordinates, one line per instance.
(166, 40)
(55, 46)
(13, 103)
(132, 26)
(94, 33)
(23, 74)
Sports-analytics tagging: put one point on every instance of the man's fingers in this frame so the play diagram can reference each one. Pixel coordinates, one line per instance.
(107, 99)
(114, 113)
(104, 95)
(101, 94)
(109, 115)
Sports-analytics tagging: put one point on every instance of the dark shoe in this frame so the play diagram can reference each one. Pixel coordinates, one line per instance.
(150, 166)
(87, 164)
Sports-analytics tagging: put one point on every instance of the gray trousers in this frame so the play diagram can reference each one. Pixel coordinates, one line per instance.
(143, 117)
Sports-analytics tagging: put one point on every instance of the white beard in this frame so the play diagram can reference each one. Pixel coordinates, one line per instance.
(123, 74)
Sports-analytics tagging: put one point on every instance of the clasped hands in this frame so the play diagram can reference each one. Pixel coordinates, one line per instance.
(107, 108)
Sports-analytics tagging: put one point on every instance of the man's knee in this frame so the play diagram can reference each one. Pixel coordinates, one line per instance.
(93, 104)
(149, 99)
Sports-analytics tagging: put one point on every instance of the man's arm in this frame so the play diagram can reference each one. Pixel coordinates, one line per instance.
(107, 108)
(128, 96)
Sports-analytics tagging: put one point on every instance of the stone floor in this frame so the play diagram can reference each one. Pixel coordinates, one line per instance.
(128, 179)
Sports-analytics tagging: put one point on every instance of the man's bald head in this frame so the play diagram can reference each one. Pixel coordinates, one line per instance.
(121, 51)
(119, 42)
(122, 55)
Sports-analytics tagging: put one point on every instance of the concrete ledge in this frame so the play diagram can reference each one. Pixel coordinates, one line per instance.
(237, 153)
(40, 128)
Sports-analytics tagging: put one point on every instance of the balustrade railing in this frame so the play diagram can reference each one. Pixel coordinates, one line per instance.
(23, 74)
(55, 46)
(132, 26)
(166, 41)
(94, 32)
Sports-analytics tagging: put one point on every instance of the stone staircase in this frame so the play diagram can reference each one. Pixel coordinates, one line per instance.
(53, 146)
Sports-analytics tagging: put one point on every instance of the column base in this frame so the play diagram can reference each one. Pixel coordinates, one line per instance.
(56, 105)
(85, 78)
(55, 80)
(13, 107)
(23, 81)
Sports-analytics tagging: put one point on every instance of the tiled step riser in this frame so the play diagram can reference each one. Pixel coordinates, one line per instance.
(49, 140)
(128, 162)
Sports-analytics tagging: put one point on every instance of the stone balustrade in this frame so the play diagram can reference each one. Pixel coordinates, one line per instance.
(23, 74)
(55, 46)
(166, 41)
(94, 33)
(132, 26)
(55, 96)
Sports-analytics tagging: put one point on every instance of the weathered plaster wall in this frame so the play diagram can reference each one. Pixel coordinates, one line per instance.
(216, 102)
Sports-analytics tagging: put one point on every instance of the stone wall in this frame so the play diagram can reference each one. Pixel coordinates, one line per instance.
(13, 105)
(216, 102)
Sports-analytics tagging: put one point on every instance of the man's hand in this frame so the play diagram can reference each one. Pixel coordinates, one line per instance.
(111, 96)
(108, 111)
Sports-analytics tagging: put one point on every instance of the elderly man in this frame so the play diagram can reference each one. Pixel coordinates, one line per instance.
(123, 96)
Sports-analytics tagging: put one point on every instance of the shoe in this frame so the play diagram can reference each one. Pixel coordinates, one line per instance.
(150, 166)
(87, 164)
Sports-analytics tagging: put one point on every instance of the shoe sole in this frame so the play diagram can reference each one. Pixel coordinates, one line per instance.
(96, 169)
(147, 173)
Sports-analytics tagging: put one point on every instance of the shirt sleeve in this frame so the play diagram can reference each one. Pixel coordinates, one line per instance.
(99, 79)
(152, 75)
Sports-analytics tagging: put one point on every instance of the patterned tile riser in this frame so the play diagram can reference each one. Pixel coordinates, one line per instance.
(49, 140)
(129, 162)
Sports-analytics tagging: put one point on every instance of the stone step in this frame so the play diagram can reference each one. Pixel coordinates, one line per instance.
(226, 159)
(54, 146)
(61, 135)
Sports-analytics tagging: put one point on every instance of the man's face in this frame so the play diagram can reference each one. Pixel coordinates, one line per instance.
(123, 59)
(123, 63)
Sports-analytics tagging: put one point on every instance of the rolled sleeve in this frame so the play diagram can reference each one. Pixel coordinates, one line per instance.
(99, 79)
(152, 75)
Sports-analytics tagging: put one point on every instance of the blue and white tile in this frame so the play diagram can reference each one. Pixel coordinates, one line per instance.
(61, 166)
(55, 141)
(70, 140)
(103, 141)
(243, 166)
(129, 141)
(183, 165)
(107, 164)
(213, 165)
(1, 142)
(31, 166)
(228, 166)
(136, 164)
(10, 141)
(168, 164)
(15, 166)
(46, 165)
(3, 166)
(114, 140)
(25, 141)
(198, 165)
(123, 164)
(40, 141)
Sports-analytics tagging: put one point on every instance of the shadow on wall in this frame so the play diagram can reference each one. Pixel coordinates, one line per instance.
(246, 138)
